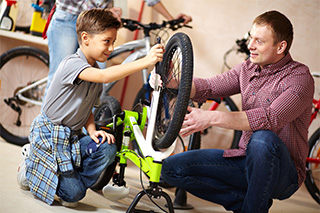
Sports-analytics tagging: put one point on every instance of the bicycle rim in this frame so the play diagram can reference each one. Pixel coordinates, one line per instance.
(20, 67)
(312, 181)
(176, 72)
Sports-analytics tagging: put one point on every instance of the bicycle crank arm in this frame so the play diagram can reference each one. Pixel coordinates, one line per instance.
(15, 106)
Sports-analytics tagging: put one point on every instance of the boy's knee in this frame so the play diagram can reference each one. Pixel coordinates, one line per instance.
(73, 193)
(107, 152)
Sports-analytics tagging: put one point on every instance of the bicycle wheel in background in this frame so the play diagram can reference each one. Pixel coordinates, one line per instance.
(176, 72)
(312, 181)
(19, 67)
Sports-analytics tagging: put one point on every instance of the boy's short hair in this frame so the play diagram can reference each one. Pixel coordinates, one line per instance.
(96, 21)
(280, 25)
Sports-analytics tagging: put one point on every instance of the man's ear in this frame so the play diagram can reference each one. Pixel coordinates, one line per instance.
(85, 38)
(281, 47)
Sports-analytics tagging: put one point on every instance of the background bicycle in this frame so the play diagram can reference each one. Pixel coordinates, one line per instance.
(23, 71)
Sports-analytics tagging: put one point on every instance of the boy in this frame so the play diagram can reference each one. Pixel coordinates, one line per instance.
(59, 163)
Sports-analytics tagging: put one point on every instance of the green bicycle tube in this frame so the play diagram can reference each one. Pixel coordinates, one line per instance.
(155, 171)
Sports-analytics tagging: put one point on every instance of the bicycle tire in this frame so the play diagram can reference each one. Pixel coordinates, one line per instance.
(107, 109)
(19, 67)
(177, 66)
(312, 181)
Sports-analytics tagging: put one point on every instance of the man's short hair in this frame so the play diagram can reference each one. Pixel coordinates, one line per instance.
(96, 21)
(280, 25)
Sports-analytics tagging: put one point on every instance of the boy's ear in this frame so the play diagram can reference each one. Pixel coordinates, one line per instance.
(85, 38)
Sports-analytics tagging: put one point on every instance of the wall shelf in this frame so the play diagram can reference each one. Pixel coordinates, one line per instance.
(24, 37)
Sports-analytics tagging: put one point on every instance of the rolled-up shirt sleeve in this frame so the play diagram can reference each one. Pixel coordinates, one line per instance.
(223, 85)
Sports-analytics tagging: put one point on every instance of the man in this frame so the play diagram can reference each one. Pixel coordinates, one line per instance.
(276, 102)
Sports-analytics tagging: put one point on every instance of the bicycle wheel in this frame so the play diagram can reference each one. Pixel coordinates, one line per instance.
(176, 72)
(312, 181)
(19, 67)
(107, 109)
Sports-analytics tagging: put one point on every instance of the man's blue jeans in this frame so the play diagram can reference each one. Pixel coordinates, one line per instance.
(240, 184)
(72, 187)
(62, 39)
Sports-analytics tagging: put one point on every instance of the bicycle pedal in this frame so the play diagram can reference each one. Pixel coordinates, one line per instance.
(113, 192)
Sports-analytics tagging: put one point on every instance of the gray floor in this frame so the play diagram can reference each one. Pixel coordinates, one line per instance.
(13, 199)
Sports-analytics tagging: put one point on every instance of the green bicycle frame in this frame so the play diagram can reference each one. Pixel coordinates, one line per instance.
(133, 130)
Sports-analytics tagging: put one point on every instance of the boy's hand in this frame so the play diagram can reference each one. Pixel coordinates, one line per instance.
(155, 55)
(105, 136)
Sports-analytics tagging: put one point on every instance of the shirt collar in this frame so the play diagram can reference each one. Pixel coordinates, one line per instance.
(83, 57)
(272, 68)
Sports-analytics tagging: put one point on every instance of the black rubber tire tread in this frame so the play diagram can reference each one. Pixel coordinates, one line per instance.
(4, 58)
(24, 50)
(171, 131)
(109, 104)
(228, 102)
(195, 140)
(112, 106)
(309, 182)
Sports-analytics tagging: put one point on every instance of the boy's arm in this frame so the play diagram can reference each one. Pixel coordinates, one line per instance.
(94, 134)
(118, 72)
(90, 126)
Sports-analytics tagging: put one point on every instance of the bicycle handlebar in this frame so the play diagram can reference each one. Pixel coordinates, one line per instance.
(133, 25)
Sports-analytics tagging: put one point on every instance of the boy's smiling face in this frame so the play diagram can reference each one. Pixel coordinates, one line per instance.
(98, 47)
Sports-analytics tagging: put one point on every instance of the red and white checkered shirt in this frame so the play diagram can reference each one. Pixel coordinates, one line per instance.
(277, 97)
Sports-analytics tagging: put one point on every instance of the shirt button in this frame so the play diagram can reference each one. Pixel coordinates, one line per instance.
(253, 93)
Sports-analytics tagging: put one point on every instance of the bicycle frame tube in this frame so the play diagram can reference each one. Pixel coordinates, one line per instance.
(145, 144)
(33, 85)
(316, 110)
(151, 161)
(141, 48)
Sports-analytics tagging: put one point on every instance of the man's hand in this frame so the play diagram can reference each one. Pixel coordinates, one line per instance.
(197, 120)
(186, 18)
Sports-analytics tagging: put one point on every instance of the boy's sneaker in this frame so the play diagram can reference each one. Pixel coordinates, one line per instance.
(21, 175)
(68, 204)
(65, 203)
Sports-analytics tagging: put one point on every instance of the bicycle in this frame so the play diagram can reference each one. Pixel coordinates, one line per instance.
(30, 66)
(21, 90)
(312, 181)
(164, 116)
(111, 107)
